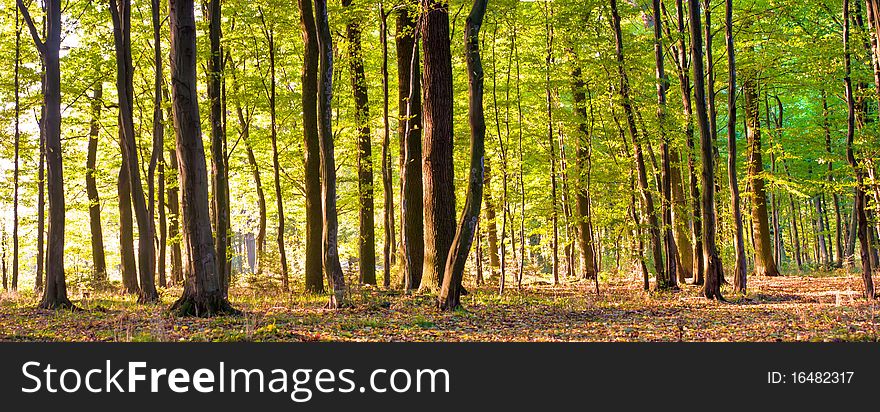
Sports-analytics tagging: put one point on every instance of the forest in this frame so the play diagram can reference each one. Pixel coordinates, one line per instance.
(423, 170)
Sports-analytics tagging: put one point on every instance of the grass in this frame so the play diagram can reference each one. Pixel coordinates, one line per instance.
(806, 306)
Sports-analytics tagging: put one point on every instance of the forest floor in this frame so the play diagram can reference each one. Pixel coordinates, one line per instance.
(797, 307)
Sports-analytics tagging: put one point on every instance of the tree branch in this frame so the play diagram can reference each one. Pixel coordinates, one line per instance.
(41, 47)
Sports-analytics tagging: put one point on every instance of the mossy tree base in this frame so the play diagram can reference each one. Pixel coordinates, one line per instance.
(202, 306)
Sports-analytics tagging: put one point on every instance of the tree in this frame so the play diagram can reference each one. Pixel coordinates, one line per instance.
(739, 271)
(312, 149)
(585, 221)
(409, 131)
(121, 16)
(219, 177)
(450, 293)
(158, 155)
(98, 260)
(713, 270)
(860, 198)
(387, 180)
(332, 266)
(437, 168)
(367, 238)
(646, 196)
(55, 291)
(202, 293)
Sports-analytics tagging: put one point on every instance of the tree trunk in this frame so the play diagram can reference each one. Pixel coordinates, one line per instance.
(17, 155)
(388, 256)
(367, 238)
(765, 264)
(740, 279)
(437, 168)
(450, 293)
(409, 133)
(99, 270)
(332, 267)
(219, 182)
(860, 216)
(582, 196)
(55, 292)
(551, 141)
(121, 16)
(174, 221)
(713, 271)
(312, 150)
(647, 197)
(202, 293)
(158, 140)
(670, 279)
(491, 229)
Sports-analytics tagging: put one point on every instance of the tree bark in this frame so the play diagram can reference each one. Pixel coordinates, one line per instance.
(450, 293)
(174, 220)
(713, 271)
(202, 293)
(583, 157)
(367, 238)
(158, 154)
(312, 150)
(646, 196)
(332, 267)
(121, 16)
(219, 181)
(765, 264)
(409, 133)
(55, 292)
(740, 281)
(388, 255)
(860, 197)
(17, 155)
(437, 168)
(99, 269)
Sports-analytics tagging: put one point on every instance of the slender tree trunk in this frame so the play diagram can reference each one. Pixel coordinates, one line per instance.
(409, 131)
(367, 238)
(670, 279)
(99, 270)
(312, 149)
(17, 155)
(219, 182)
(740, 272)
(388, 255)
(332, 267)
(41, 193)
(450, 293)
(121, 16)
(713, 271)
(551, 140)
(174, 220)
(202, 294)
(158, 139)
(491, 219)
(437, 168)
(647, 197)
(859, 208)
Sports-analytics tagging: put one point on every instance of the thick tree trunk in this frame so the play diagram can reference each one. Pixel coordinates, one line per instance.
(332, 267)
(367, 238)
(714, 272)
(409, 133)
(121, 16)
(765, 264)
(312, 150)
(219, 181)
(646, 196)
(739, 271)
(437, 168)
(202, 293)
(99, 269)
(128, 265)
(450, 293)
